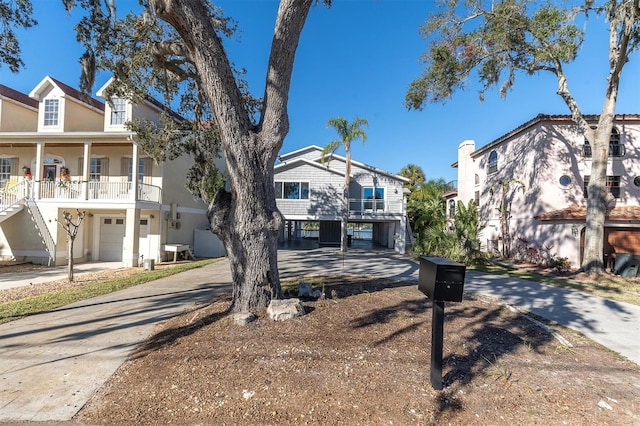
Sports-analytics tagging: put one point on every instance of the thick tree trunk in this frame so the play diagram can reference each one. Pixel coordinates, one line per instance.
(246, 219)
(597, 194)
(248, 222)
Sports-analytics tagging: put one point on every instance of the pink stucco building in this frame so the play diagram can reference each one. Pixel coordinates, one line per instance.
(550, 156)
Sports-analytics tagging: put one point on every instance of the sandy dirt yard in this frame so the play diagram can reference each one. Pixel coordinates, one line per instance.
(362, 357)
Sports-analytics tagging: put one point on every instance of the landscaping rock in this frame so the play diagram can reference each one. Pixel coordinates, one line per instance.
(280, 310)
(243, 318)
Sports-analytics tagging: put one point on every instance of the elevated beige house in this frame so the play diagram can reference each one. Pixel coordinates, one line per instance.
(61, 150)
(551, 158)
(309, 190)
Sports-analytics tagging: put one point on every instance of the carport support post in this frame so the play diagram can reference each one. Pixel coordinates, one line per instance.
(437, 337)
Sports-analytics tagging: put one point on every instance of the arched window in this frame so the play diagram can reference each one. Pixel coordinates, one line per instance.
(452, 208)
(477, 179)
(493, 162)
(616, 149)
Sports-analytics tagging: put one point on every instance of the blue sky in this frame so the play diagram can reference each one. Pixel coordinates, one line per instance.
(357, 59)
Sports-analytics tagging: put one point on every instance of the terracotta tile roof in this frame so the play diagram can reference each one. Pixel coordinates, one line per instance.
(566, 119)
(574, 212)
(13, 94)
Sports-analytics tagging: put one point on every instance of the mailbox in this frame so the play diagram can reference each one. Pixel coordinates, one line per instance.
(440, 279)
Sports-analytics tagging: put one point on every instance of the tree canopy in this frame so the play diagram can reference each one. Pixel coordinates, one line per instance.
(176, 48)
(493, 41)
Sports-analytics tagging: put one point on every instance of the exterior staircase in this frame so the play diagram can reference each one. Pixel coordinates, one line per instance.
(14, 199)
(42, 229)
(10, 211)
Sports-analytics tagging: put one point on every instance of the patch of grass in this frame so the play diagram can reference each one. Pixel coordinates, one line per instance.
(608, 286)
(498, 369)
(45, 302)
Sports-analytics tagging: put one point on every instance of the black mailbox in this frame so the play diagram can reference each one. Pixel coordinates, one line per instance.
(440, 279)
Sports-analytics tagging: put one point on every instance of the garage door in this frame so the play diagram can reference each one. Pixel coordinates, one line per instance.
(111, 239)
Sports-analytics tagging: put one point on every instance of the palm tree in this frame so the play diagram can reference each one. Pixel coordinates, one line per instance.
(348, 132)
(414, 173)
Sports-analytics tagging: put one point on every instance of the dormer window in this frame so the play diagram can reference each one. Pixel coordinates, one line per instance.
(51, 110)
(118, 111)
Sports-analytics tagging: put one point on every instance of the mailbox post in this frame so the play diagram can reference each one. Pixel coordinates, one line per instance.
(441, 280)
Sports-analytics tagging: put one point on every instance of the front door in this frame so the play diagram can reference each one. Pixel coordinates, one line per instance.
(49, 172)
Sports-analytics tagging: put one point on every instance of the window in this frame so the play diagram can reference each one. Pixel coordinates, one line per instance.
(477, 179)
(118, 111)
(476, 198)
(51, 112)
(292, 190)
(95, 169)
(564, 181)
(141, 163)
(636, 181)
(5, 171)
(493, 162)
(616, 149)
(373, 198)
(452, 209)
(613, 185)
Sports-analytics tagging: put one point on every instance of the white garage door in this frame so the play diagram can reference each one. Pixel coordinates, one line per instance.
(111, 239)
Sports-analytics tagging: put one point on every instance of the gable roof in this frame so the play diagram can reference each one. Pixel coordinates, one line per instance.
(298, 152)
(159, 106)
(298, 161)
(557, 119)
(68, 91)
(363, 166)
(575, 212)
(16, 96)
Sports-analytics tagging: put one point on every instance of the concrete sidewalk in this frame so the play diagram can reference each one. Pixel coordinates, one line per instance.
(54, 273)
(52, 363)
(615, 325)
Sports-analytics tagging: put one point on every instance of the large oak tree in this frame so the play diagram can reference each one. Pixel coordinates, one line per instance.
(498, 39)
(177, 47)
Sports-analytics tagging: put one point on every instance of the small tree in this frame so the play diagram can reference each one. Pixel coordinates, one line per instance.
(467, 228)
(71, 228)
(348, 132)
(505, 209)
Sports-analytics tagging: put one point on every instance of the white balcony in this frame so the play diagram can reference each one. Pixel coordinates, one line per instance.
(97, 191)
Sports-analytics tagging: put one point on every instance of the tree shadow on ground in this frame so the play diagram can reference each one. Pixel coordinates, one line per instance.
(475, 339)
(169, 336)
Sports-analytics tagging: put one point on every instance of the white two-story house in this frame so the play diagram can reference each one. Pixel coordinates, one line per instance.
(61, 150)
(309, 190)
(550, 156)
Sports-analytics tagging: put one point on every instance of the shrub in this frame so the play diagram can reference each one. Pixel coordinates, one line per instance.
(561, 264)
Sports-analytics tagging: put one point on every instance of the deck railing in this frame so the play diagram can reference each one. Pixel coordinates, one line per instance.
(100, 191)
(371, 206)
(13, 192)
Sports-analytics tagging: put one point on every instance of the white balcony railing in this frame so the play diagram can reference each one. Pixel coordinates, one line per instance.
(13, 192)
(101, 191)
(371, 206)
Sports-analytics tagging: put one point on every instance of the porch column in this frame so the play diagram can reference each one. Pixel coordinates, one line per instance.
(400, 236)
(38, 175)
(86, 161)
(131, 246)
(135, 160)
